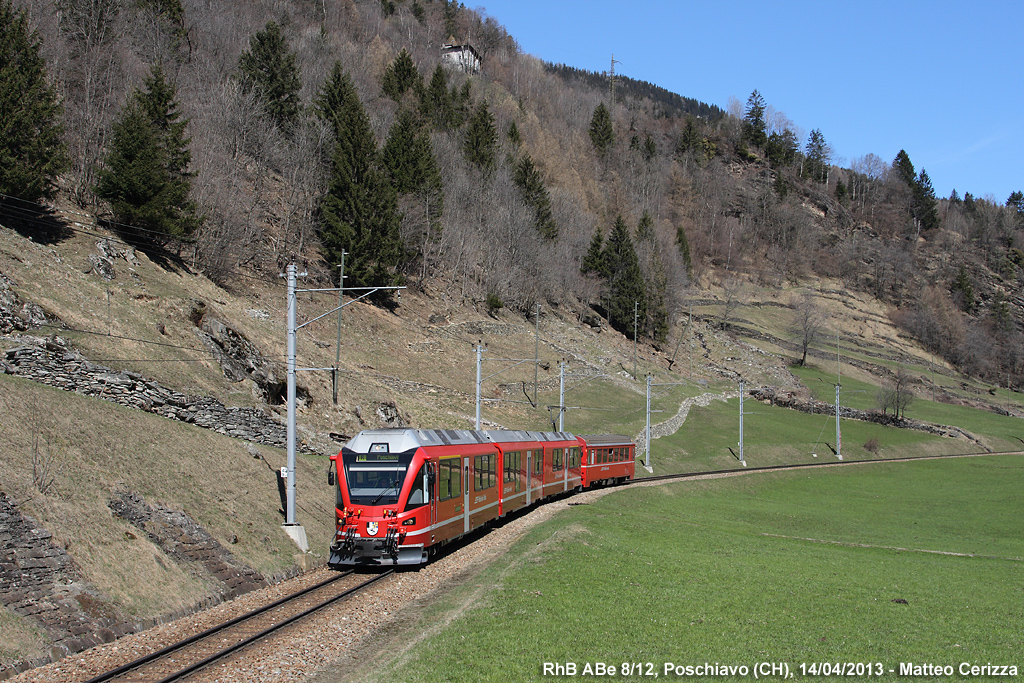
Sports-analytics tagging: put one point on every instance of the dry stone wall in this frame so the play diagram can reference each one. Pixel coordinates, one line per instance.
(53, 361)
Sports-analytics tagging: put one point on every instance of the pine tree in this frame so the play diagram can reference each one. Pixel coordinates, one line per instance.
(754, 127)
(31, 150)
(481, 143)
(819, 156)
(626, 281)
(439, 104)
(514, 137)
(963, 291)
(269, 69)
(645, 228)
(535, 195)
(602, 134)
(904, 168)
(684, 250)
(925, 212)
(409, 159)
(358, 212)
(146, 177)
(593, 262)
(401, 76)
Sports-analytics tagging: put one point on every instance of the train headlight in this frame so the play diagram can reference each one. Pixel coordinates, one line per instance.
(409, 522)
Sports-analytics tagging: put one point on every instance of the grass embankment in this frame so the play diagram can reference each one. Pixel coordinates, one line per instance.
(84, 450)
(998, 432)
(849, 564)
(708, 440)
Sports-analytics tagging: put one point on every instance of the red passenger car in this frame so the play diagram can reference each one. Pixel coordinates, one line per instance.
(403, 493)
(607, 458)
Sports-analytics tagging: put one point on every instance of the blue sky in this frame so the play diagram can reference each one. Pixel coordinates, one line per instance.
(942, 80)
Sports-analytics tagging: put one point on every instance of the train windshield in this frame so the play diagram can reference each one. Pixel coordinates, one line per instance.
(376, 484)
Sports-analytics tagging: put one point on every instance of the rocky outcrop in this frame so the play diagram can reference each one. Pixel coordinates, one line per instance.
(188, 543)
(41, 581)
(15, 314)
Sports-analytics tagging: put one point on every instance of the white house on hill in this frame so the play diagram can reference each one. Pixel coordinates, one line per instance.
(460, 56)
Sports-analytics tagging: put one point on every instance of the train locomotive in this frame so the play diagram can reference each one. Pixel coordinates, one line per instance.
(404, 493)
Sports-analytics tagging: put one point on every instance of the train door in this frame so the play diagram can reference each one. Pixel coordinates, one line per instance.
(566, 461)
(432, 479)
(465, 495)
(529, 477)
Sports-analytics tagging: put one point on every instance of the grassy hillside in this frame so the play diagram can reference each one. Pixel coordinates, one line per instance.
(880, 563)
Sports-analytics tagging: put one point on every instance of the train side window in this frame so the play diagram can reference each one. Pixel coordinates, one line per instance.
(556, 459)
(418, 493)
(513, 465)
(483, 468)
(449, 479)
(538, 462)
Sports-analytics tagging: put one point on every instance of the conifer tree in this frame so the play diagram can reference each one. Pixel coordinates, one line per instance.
(963, 291)
(593, 262)
(602, 134)
(535, 195)
(684, 250)
(401, 76)
(925, 212)
(754, 127)
(409, 159)
(268, 68)
(146, 177)
(481, 141)
(645, 228)
(358, 212)
(514, 137)
(626, 281)
(31, 150)
(819, 156)
(439, 104)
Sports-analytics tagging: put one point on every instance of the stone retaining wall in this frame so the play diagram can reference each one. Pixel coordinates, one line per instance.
(54, 362)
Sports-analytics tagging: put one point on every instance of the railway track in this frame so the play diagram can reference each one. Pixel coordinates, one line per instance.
(811, 465)
(183, 659)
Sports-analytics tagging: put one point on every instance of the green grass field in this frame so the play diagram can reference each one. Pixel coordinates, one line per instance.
(708, 440)
(883, 562)
(999, 432)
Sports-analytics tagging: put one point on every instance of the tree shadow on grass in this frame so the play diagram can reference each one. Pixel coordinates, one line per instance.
(34, 221)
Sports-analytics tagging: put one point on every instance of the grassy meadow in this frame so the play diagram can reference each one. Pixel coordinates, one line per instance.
(881, 562)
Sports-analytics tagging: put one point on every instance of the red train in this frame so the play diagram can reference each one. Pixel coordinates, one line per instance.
(404, 493)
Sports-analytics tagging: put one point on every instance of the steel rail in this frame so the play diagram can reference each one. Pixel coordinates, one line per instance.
(154, 656)
(809, 465)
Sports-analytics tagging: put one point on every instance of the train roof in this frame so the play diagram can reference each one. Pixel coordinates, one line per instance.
(402, 440)
(606, 439)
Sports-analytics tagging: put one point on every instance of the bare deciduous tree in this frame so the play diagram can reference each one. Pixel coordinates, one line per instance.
(808, 321)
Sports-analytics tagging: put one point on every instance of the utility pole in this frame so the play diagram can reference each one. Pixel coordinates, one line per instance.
(636, 308)
(536, 354)
(561, 396)
(612, 79)
(479, 363)
(291, 527)
(742, 459)
(337, 347)
(647, 430)
(292, 275)
(839, 436)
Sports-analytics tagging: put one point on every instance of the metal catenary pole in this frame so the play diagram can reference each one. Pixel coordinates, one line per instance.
(479, 362)
(536, 354)
(561, 396)
(290, 511)
(337, 347)
(647, 431)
